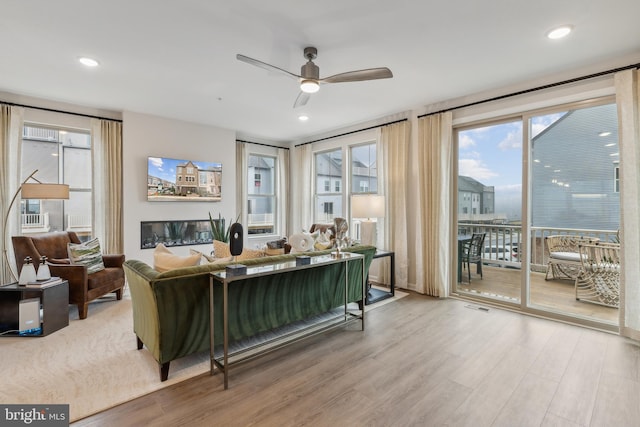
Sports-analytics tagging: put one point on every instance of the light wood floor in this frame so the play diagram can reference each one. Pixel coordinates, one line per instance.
(420, 362)
(557, 295)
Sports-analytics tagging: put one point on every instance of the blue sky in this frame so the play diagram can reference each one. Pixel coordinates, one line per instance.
(164, 168)
(493, 156)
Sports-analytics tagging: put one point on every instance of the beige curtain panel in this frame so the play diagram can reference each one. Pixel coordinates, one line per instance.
(106, 150)
(433, 184)
(10, 143)
(394, 144)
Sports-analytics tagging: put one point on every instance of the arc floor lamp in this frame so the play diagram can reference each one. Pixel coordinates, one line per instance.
(32, 190)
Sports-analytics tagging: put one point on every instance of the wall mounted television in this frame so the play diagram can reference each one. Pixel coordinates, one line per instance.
(175, 180)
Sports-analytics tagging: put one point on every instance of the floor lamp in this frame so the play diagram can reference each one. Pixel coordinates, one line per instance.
(32, 190)
(367, 206)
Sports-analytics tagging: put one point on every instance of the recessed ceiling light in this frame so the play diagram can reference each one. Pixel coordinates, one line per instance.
(611, 144)
(303, 118)
(89, 62)
(604, 134)
(560, 32)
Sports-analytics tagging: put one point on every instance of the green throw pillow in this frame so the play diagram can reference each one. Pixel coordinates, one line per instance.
(87, 254)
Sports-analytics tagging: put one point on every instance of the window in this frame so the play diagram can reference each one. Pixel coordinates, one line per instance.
(364, 172)
(261, 204)
(328, 208)
(341, 172)
(60, 156)
(616, 179)
(328, 169)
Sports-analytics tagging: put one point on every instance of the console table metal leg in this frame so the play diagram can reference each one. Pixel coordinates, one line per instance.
(211, 337)
(226, 334)
(392, 279)
(364, 292)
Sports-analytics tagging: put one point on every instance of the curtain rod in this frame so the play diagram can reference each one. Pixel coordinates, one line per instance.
(261, 143)
(535, 89)
(351, 132)
(53, 110)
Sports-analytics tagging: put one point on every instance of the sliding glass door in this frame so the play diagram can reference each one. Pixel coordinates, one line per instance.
(489, 203)
(575, 200)
(537, 187)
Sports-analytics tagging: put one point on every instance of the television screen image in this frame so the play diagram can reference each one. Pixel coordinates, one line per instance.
(171, 180)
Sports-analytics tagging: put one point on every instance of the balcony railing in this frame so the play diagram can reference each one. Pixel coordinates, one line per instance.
(261, 223)
(502, 242)
(35, 223)
(79, 223)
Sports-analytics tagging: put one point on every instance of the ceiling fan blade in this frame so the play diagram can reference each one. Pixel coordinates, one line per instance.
(301, 100)
(359, 75)
(265, 66)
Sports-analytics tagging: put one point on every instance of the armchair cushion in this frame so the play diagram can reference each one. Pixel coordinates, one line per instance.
(103, 277)
(87, 254)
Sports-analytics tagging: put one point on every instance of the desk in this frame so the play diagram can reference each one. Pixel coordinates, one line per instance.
(462, 239)
(54, 301)
(375, 295)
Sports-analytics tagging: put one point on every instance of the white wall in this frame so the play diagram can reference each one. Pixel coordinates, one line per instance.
(145, 136)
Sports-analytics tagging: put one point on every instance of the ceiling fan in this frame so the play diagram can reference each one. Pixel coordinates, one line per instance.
(309, 77)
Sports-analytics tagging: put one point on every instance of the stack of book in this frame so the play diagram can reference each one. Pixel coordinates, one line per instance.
(44, 283)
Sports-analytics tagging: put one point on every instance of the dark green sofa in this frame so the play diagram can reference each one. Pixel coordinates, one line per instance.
(171, 309)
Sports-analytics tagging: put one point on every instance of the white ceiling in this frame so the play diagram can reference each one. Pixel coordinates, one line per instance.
(177, 59)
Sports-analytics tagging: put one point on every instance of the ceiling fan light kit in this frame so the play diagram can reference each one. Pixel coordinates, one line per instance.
(309, 86)
(310, 74)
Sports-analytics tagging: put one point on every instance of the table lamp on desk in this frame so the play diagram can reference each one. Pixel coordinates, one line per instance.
(368, 206)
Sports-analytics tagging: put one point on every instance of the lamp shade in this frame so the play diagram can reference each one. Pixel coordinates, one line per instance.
(367, 206)
(44, 191)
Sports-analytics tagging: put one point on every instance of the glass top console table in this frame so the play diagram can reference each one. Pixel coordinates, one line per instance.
(225, 359)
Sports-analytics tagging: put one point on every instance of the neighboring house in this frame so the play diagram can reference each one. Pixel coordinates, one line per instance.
(191, 180)
(157, 185)
(364, 177)
(210, 182)
(476, 201)
(328, 183)
(576, 169)
(187, 179)
(261, 182)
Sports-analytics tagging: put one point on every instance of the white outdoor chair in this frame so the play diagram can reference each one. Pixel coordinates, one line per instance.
(564, 255)
(599, 278)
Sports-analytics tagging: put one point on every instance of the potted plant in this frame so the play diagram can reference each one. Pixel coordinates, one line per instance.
(219, 230)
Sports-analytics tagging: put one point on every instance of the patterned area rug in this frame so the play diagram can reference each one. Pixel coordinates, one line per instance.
(92, 364)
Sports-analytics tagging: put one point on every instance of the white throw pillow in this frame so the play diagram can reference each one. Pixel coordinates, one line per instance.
(165, 260)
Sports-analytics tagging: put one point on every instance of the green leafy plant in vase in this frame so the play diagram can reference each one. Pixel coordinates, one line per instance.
(219, 230)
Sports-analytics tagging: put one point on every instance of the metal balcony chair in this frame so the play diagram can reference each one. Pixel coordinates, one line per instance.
(472, 253)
